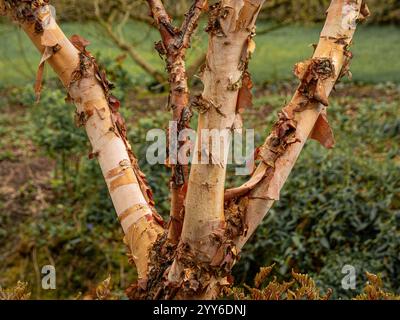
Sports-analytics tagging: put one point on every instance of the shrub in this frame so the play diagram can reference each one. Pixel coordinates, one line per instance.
(338, 207)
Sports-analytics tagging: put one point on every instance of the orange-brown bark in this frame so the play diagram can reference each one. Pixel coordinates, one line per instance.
(231, 29)
(173, 45)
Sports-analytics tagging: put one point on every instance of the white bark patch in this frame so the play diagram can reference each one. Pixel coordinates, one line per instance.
(350, 12)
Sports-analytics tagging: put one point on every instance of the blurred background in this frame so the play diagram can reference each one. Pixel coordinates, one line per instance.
(339, 206)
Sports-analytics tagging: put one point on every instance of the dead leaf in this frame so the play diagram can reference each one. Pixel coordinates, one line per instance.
(79, 42)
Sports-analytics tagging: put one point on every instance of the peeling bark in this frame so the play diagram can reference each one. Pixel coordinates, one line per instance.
(231, 29)
(303, 117)
(97, 110)
(172, 46)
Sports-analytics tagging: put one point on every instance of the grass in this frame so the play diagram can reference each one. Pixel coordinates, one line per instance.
(376, 50)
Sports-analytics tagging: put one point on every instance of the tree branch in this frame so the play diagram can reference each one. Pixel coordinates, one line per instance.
(190, 23)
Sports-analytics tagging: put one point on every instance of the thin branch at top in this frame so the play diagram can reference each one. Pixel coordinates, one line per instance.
(190, 23)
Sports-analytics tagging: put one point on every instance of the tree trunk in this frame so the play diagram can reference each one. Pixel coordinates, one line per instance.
(231, 28)
(173, 45)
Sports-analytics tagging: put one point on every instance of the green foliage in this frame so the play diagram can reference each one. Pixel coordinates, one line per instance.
(338, 207)
(117, 74)
(54, 128)
(273, 60)
(75, 228)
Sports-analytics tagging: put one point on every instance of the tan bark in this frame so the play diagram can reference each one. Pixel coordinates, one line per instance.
(86, 86)
(303, 117)
(231, 27)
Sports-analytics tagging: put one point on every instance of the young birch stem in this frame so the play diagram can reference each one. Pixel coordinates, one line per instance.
(124, 180)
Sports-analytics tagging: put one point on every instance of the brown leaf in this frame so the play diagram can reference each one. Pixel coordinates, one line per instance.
(322, 131)
(262, 275)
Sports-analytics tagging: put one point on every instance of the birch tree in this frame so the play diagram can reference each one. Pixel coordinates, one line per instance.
(191, 256)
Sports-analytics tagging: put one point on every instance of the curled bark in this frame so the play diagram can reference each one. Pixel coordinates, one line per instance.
(217, 224)
(97, 111)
